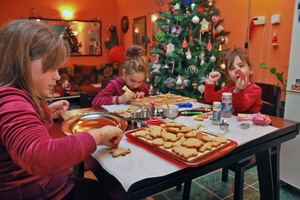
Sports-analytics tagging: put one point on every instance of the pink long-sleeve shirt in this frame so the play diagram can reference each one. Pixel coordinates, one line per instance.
(246, 101)
(114, 89)
(32, 164)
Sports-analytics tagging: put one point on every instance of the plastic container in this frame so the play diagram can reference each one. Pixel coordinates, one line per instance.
(226, 104)
(216, 113)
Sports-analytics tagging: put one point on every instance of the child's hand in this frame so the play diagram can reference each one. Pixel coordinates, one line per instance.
(214, 77)
(140, 94)
(241, 84)
(59, 109)
(127, 96)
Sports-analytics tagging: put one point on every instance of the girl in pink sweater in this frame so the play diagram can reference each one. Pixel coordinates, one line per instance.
(246, 95)
(136, 69)
(32, 164)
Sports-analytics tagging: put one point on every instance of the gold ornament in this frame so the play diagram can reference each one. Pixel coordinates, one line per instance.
(195, 85)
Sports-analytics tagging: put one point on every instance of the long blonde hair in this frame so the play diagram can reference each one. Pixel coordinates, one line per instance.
(23, 41)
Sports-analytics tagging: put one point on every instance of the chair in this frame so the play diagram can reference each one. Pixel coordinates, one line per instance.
(271, 105)
(270, 98)
(105, 81)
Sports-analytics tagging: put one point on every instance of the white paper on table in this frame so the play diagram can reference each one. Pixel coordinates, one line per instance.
(235, 132)
(112, 108)
(141, 164)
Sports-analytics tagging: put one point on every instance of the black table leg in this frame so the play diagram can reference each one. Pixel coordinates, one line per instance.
(265, 175)
(186, 190)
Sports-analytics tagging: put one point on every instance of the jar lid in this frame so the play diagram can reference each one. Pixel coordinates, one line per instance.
(217, 103)
(226, 94)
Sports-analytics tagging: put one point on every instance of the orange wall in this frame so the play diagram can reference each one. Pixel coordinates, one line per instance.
(234, 12)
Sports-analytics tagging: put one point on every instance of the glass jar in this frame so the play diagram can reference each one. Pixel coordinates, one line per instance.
(226, 104)
(216, 113)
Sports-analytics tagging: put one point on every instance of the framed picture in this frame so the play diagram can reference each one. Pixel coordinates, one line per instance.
(139, 30)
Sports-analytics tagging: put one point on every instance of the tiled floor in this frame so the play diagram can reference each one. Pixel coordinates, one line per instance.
(211, 187)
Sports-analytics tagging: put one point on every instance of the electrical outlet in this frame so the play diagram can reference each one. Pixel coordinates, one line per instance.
(259, 20)
(275, 19)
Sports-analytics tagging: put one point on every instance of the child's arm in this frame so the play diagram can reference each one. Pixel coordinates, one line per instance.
(248, 100)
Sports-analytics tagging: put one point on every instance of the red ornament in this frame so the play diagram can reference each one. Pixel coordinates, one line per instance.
(209, 46)
(117, 54)
(200, 9)
(184, 43)
(274, 39)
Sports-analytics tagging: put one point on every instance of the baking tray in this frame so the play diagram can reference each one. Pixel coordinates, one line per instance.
(201, 159)
(90, 120)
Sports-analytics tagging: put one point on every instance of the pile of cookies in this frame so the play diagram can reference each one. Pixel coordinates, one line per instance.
(127, 113)
(185, 141)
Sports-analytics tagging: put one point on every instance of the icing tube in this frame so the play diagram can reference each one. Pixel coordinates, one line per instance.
(126, 89)
(239, 71)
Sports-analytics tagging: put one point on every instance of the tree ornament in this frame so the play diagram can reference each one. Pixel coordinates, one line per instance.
(177, 6)
(187, 2)
(222, 40)
(166, 67)
(151, 89)
(200, 9)
(160, 36)
(176, 30)
(179, 82)
(191, 36)
(220, 48)
(204, 25)
(193, 68)
(184, 43)
(170, 82)
(220, 28)
(201, 88)
(195, 85)
(226, 40)
(213, 58)
(186, 82)
(187, 13)
(170, 48)
(193, 5)
(209, 45)
(156, 69)
(215, 19)
(188, 54)
(195, 19)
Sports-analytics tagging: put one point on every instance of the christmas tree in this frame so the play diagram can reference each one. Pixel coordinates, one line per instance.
(71, 39)
(189, 47)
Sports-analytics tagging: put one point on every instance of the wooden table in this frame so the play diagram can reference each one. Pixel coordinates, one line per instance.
(268, 170)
